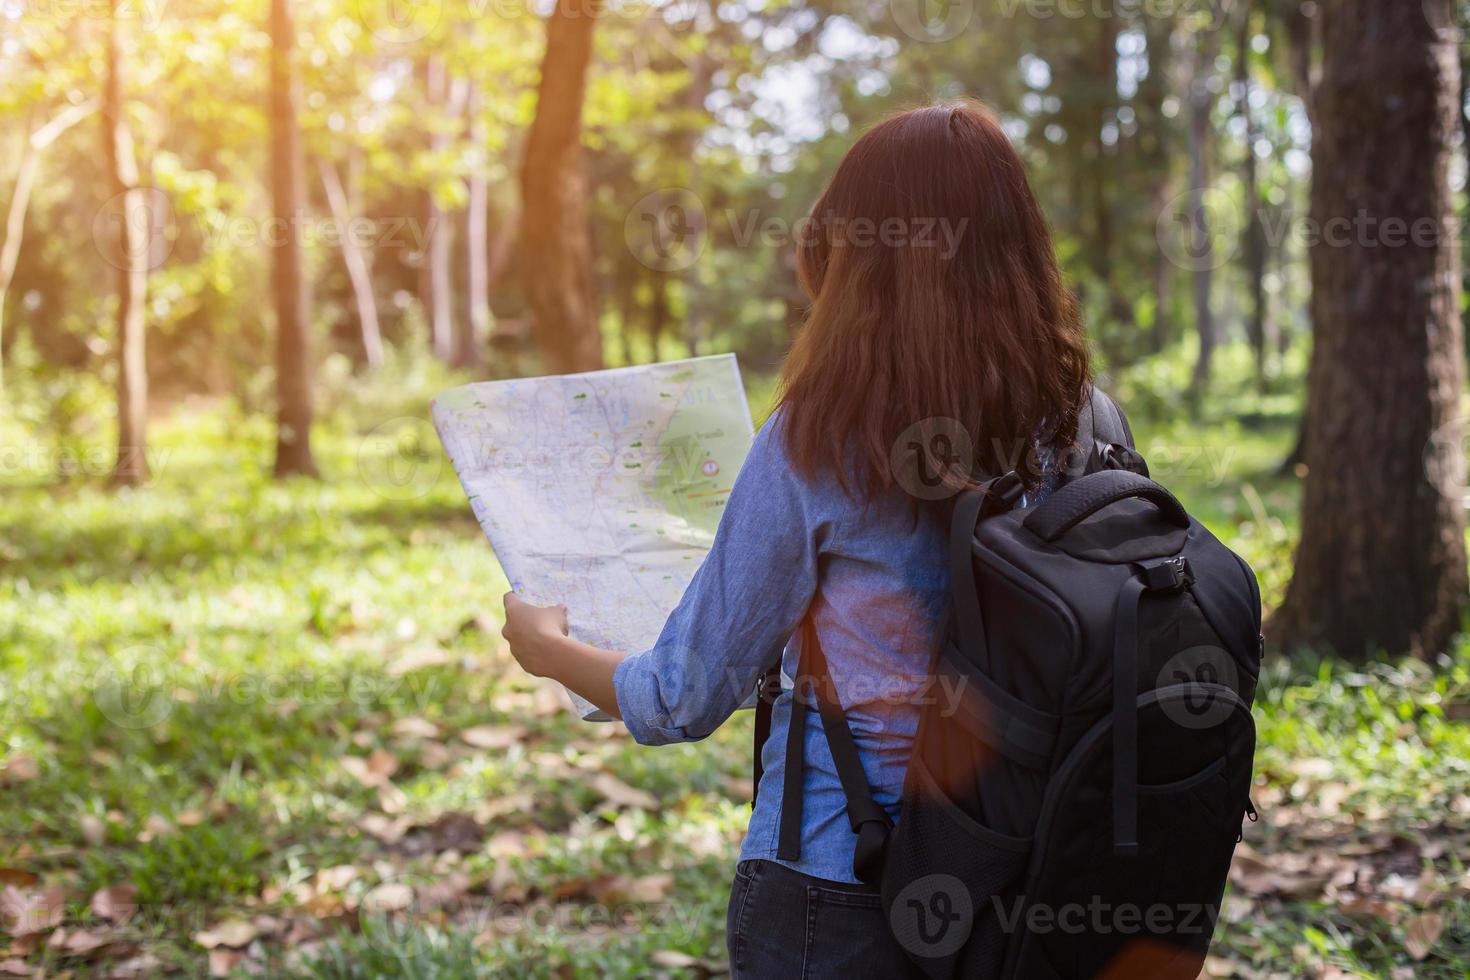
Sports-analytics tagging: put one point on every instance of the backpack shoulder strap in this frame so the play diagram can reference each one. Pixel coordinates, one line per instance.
(1101, 426)
(1101, 420)
(868, 820)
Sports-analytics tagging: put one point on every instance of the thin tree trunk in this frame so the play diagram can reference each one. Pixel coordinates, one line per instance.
(1202, 103)
(358, 272)
(1381, 566)
(555, 240)
(1254, 234)
(20, 199)
(658, 312)
(288, 282)
(481, 320)
(435, 276)
(133, 227)
(1156, 159)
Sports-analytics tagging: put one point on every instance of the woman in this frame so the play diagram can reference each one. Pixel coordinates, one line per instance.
(941, 346)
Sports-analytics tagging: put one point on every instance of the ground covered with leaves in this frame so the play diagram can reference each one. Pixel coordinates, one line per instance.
(270, 728)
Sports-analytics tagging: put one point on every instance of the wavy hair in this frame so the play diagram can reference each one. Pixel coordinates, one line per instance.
(935, 295)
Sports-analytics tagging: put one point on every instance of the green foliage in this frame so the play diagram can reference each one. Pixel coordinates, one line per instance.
(204, 671)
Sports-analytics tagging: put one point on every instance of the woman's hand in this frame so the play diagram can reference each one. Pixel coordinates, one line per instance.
(531, 632)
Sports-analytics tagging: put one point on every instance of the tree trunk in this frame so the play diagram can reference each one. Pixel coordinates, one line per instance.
(435, 278)
(1381, 564)
(475, 329)
(20, 200)
(1254, 233)
(555, 240)
(1156, 159)
(358, 271)
(288, 281)
(133, 226)
(1202, 103)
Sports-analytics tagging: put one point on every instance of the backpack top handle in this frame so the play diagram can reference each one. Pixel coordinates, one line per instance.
(1079, 500)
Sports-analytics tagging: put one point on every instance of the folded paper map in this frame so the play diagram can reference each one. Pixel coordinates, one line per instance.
(601, 491)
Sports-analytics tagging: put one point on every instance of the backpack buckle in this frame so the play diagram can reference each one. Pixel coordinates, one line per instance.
(1169, 575)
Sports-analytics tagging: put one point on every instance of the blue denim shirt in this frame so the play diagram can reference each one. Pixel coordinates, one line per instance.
(874, 574)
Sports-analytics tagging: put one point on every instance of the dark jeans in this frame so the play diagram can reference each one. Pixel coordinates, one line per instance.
(782, 923)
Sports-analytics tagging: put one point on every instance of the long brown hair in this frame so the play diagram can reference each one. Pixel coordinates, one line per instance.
(935, 295)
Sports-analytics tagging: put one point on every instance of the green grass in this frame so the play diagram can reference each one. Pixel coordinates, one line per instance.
(205, 672)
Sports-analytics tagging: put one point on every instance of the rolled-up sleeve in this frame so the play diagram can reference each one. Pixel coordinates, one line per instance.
(741, 607)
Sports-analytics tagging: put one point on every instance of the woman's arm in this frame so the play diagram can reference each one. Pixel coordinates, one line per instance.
(538, 640)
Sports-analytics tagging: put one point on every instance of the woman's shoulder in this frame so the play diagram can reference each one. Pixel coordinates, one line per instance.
(836, 497)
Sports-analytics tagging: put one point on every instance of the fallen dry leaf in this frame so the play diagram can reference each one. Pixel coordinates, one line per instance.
(391, 896)
(19, 877)
(19, 768)
(417, 659)
(142, 965)
(672, 959)
(336, 878)
(493, 736)
(80, 942)
(222, 961)
(155, 826)
(29, 911)
(94, 829)
(389, 831)
(1421, 933)
(506, 843)
(619, 793)
(415, 727)
(375, 770)
(433, 755)
(115, 904)
(15, 968)
(617, 889)
(232, 933)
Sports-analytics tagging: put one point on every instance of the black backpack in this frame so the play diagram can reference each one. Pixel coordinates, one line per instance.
(1075, 814)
